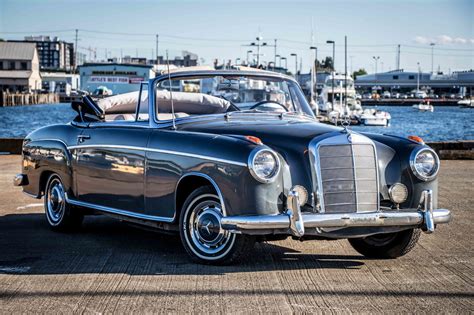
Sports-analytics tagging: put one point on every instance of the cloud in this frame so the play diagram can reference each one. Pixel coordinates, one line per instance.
(421, 40)
(442, 40)
(459, 40)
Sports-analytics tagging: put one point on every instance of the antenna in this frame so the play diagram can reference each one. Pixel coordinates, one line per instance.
(171, 90)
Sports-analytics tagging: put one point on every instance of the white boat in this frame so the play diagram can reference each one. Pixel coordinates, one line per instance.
(467, 103)
(374, 117)
(424, 107)
(332, 98)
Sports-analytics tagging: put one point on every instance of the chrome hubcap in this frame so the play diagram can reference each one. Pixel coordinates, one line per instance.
(205, 228)
(56, 202)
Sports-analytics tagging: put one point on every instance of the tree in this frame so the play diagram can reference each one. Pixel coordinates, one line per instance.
(359, 72)
(328, 63)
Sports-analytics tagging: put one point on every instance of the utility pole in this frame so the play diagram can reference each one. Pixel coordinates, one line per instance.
(157, 36)
(75, 52)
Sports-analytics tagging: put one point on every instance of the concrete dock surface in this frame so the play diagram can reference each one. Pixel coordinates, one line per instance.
(109, 266)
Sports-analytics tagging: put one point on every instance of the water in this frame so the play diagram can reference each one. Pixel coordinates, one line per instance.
(445, 123)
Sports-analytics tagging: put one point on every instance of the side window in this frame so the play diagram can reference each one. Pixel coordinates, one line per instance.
(126, 107)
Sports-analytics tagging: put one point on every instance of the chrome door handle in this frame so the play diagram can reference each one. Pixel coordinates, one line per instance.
(81, 138)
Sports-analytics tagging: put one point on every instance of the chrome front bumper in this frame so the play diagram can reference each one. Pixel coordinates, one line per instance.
(295, 222)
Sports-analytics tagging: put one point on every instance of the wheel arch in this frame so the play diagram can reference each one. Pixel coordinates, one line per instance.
(190, 182)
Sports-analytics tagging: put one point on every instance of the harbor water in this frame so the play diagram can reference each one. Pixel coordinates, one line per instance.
(445, 123)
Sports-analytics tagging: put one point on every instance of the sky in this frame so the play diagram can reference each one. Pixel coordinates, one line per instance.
(221, 29)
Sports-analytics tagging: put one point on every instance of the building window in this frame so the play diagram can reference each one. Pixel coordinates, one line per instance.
(1, 65)
(411, 77)
(395, 77)
(12, 65)
(24, 66)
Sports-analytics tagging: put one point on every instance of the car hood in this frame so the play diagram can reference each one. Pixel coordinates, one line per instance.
(288, 133)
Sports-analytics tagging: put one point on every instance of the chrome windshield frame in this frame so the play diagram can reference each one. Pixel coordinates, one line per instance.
(156, 123)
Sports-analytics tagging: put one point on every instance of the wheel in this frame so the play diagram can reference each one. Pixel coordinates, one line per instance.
(386, 246)
(202, 235)
(60, 215)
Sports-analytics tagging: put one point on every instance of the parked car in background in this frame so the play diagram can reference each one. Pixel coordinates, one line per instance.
(367, 96)
(245, 162)
(386, 94)
(420, 94)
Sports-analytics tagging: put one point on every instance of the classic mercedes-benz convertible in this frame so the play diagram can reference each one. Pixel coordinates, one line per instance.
(227, 158)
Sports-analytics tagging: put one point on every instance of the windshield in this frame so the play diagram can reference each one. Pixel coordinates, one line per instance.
(221, 94)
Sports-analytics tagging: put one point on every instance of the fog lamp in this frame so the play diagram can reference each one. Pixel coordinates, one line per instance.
(302, 194)
(398, 193)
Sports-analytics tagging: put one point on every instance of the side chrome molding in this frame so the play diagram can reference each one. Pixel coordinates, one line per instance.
(118, 211)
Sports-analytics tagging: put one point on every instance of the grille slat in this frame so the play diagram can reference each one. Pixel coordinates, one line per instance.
(348, 177)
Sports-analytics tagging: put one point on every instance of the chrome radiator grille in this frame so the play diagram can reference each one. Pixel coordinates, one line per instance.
(347, 176)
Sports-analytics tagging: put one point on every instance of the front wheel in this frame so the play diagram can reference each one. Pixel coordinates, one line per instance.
(202, 235)
(386, 246)
(59, 214)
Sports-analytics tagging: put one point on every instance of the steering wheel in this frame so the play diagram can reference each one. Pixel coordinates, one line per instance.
(265, 102)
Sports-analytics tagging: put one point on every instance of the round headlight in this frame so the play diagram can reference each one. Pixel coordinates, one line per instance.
(424, 164)
(264, 165)
(398, 193)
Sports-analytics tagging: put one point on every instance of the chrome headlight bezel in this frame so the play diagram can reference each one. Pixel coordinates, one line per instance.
(414, 156)
(251, 165)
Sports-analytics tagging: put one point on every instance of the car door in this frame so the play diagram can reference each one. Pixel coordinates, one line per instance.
(109, 165)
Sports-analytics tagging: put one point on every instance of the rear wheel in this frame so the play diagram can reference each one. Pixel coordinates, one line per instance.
(59, 214)
(202, 235)
(386, 246)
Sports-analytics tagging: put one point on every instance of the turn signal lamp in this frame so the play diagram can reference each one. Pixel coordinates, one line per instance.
(253, 139)
(416, 139)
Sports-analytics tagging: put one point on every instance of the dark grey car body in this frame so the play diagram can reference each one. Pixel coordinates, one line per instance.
(143, 171)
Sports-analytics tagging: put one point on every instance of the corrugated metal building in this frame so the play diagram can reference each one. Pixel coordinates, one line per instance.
(19, 67)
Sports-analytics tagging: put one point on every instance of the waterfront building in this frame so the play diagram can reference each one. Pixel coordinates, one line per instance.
(118, 77)
(19, 67)
(54, 54)
(60, 82)
(187, 59)
(401, 81)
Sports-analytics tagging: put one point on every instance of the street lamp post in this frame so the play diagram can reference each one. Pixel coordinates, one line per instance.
(418, 79)
(314, 77)
(333, 68)
(296, 62)
(376, 59)
(286, 62)
(279, 60)
(248, 53)
(432, 56)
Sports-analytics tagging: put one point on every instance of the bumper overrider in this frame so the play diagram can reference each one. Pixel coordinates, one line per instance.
(295, 222)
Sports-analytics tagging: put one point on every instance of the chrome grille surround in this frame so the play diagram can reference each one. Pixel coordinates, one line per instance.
(352, 192)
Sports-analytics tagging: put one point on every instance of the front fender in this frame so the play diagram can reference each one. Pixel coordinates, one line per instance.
(42, 157)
